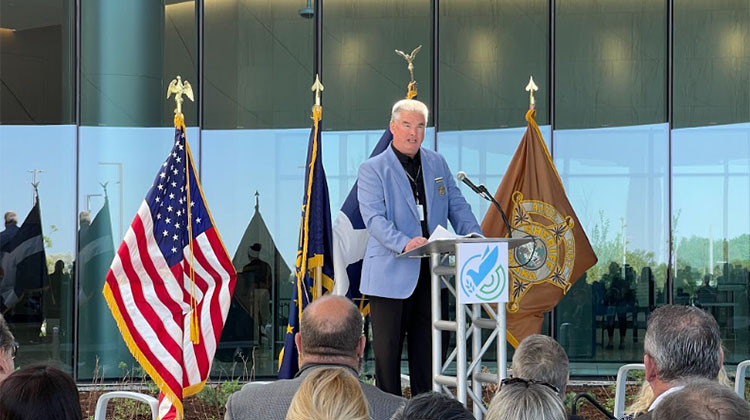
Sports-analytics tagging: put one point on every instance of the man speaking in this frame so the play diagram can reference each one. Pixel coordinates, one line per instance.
(404, 194)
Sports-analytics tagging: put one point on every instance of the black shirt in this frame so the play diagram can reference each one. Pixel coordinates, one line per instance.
(415, 176)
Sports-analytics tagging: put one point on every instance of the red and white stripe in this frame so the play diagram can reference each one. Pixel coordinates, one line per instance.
(153, 300)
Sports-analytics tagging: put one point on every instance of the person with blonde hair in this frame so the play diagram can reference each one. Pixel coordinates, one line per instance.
(330, 393)
(331, 335)
(526, 399)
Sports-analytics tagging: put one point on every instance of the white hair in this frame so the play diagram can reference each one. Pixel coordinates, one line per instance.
(409, 105)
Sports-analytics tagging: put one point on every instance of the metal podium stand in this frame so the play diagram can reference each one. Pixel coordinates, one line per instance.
(438, 251)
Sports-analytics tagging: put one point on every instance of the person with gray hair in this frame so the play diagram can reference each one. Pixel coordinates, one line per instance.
(331, 335)
(8, 348)
(703, 400)
(682, 344)
(526, 399)
(541, 358)
(404, 194)
(433, 406)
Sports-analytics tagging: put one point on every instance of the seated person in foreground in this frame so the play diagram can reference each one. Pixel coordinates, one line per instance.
(331, 334)
(703, 400)
(525, 399)
(39, 392)
(433, 406)
(542, 359)
(329, 393)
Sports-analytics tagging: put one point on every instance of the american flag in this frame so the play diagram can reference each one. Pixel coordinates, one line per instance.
(170, 284)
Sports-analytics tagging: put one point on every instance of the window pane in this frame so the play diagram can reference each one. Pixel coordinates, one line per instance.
(711, 172)
(255, 193)
(36, 62)
(621, 200)
(611, 68)
(488, 50)
(711, 62)
(362, 74)
(41, 320)
(611, 63)
(258, 64)
(258, 73)
(130, 52)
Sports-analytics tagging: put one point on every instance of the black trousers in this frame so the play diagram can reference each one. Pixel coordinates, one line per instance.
(396, 319)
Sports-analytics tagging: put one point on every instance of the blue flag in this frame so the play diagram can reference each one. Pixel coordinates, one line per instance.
(350, 240)
(314, 250)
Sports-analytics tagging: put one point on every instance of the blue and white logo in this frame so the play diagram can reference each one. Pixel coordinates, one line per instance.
(483, 272)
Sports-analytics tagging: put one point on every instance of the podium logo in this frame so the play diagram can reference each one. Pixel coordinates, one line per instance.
(483, 276)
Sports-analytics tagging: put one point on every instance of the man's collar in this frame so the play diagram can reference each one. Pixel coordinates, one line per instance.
(404, 158)
(664, 394)
(311, 366)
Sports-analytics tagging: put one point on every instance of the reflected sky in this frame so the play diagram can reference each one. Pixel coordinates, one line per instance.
(618, 172)
(51, 149)
(618, 175)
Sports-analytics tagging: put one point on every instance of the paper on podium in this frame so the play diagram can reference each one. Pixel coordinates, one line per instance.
(441, 233)
(443, 241)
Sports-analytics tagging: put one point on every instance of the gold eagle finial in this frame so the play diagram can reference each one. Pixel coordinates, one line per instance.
(179, 88)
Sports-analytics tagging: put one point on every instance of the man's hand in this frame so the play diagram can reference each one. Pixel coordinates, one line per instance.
(415, 242)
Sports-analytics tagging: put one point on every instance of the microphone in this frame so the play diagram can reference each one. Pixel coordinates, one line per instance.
(461, 176)
(484, 193)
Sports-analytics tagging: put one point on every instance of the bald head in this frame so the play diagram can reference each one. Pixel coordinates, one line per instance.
(330, 328)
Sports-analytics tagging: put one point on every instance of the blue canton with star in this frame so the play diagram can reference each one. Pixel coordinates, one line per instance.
(168, 202)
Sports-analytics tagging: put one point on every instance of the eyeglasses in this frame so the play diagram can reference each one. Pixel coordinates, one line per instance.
(13, 349)
(528, 383)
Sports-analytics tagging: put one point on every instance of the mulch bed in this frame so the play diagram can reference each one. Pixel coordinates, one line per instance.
(198, 409)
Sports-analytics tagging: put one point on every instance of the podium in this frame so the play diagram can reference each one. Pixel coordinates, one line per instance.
(469, 323)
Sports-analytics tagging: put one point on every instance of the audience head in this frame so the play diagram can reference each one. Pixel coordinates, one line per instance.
(543, 359)
(682, 344)
(331, 331)
(8, 348)
(432, 406)
(525, 399)
(11, 218)
(329, 393)
(703, 400)
(39, 392)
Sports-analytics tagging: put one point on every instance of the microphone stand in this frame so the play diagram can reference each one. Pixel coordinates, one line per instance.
(487, 196)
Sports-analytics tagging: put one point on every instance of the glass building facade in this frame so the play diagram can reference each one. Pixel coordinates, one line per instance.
(645, 107)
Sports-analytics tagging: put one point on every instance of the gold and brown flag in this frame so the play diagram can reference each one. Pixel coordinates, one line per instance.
(533, 197)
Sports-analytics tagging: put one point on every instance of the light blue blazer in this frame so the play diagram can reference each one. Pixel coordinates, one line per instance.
(390, 215)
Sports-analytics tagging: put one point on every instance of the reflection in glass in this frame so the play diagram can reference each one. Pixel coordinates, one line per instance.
(41, 316)
(253, 181)
(484, 155)
(616, 180)
(711, 229)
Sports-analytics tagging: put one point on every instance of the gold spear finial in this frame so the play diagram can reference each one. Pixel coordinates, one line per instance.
(412, 87)
(531, 88)
(317, 87)
(179, 88)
